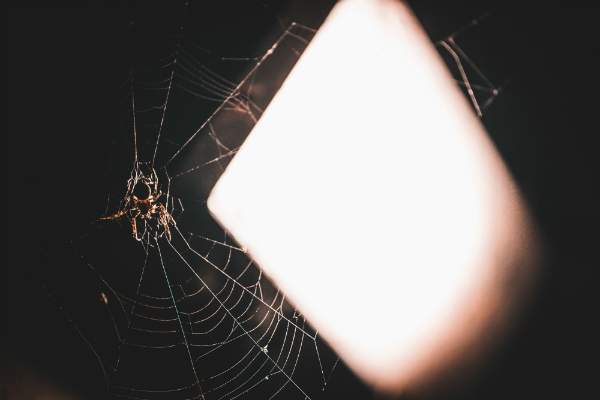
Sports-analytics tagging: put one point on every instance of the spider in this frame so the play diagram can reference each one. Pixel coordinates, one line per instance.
(144, 207)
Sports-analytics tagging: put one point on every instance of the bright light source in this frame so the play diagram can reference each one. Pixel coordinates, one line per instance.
(370, 193)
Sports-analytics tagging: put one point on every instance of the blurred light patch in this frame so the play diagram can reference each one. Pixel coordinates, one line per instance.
(371, 194)
(23, 383)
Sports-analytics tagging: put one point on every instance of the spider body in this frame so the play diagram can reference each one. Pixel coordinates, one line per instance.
(144, 212)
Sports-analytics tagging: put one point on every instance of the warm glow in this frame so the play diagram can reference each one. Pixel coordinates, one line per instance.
(370, 193)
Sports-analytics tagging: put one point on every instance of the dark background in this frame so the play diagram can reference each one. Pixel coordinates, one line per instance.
(66, 66)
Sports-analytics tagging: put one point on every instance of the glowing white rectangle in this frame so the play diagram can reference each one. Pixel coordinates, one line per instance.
(369, 192)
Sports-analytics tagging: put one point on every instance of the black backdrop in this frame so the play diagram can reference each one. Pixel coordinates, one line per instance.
(65, 65)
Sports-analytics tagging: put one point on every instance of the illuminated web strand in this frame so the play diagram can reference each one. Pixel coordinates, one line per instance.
(203, 77)
(272, 319)
(235, 282)
(293, 368)
(230, 153)
(197, 235)
(465, 57)
(164, 111)
(238, 323)
(281, 352)
(162, 118)
(187, 346)
(244, 334)
(463, 74)
(248, 365)
(132, 311)
(135, 144)
(228, 339)
(233, 93)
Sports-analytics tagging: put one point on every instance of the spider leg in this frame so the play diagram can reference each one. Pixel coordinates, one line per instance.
(116, 215)
(134, 230)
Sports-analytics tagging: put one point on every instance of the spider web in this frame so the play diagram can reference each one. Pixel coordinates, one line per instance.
(192, 317)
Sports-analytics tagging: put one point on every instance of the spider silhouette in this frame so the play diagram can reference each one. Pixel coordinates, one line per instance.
(142, 205)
